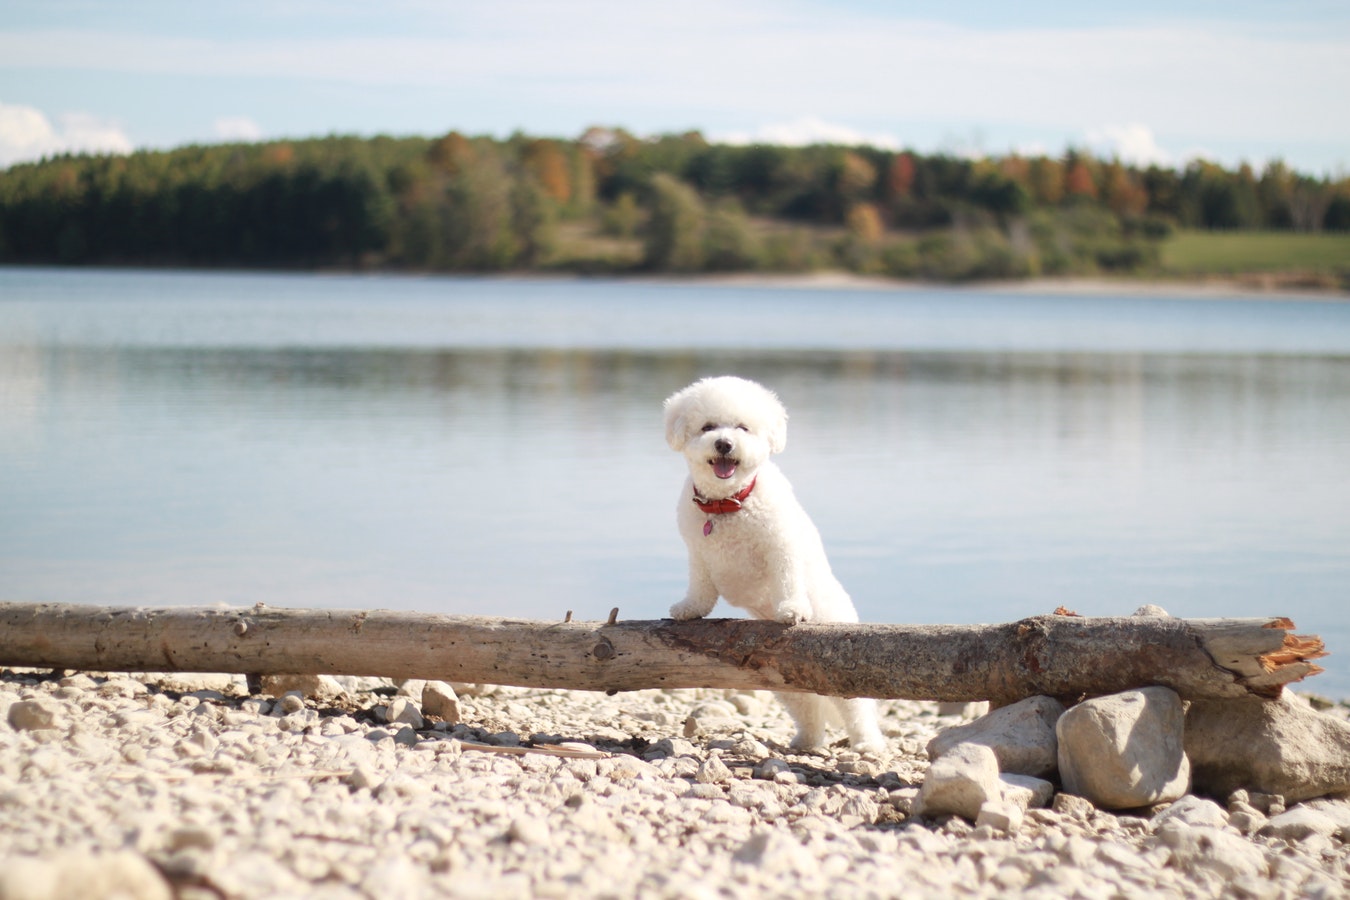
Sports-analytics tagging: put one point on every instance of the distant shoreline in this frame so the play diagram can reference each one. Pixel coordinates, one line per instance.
(1250, 287)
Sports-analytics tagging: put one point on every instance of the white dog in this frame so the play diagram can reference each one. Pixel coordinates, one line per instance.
(749, 539)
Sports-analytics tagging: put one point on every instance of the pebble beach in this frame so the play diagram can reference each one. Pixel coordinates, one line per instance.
(190, 786)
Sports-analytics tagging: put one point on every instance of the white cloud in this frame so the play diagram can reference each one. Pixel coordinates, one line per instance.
(236, 128)
(1134, 144)
(26, 134)
(808, 130)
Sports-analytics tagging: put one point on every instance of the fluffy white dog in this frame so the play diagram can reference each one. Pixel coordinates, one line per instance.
(749, 539)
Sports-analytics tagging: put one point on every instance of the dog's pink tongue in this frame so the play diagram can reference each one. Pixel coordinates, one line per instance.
(724, 468)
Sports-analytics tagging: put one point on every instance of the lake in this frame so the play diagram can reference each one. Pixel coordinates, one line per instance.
(495, 446)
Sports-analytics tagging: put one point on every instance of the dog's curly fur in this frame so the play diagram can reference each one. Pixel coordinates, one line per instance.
(766, 558)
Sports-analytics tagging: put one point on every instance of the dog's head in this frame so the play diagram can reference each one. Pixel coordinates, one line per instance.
(726, 427)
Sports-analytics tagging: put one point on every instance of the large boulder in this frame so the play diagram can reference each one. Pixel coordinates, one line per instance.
(1022, 736)
(1124, 750)
(1280, 746)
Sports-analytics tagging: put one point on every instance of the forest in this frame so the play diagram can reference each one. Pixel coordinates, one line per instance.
(611, 202)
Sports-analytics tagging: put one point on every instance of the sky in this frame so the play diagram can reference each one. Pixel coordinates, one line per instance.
(1151, 81)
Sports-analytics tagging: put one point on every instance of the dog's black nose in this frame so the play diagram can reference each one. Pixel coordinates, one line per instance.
(723, 446)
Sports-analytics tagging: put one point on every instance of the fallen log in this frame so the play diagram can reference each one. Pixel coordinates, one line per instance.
(1056, 655)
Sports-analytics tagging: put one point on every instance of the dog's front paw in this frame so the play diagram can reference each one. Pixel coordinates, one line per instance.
(792, 612)
(872, 745)
(690, 608)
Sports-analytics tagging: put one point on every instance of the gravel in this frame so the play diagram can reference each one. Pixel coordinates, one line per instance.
(186, 786)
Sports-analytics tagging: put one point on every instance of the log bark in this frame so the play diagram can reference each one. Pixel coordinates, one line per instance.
(1056, 655)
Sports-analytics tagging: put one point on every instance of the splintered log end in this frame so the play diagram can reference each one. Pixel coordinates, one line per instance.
(1297, 648)
(1289, 663)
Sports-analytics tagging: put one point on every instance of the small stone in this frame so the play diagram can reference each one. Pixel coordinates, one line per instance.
(960, 782)
(702, 791)
(673, 747)
(363, 776)
(773, 851)
(713, 771)
(1148, 609)
(1026, 792)
(34, 715)
(1269, 804)
(1191, 810)
(858, 809)
(290, 702)
(1247, 821)
(1000, 816)
(403, 711)
(749, 748)
(528, 830)
(317, 687)
(1298, 824)
(904, 799)
(770, 767)
(1226, 856)
(440, 700)
(189, 837)
(1072, 805)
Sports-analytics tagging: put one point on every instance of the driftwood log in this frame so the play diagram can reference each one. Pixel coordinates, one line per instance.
(1058, 655)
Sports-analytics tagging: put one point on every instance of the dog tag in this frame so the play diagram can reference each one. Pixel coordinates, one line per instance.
(707, 528)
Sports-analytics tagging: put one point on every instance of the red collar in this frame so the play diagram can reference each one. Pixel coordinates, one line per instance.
(727, 505)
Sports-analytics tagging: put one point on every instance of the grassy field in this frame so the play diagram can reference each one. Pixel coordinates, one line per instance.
(1236, 252)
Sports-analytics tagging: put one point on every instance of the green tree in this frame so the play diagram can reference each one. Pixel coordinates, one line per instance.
(675, 241)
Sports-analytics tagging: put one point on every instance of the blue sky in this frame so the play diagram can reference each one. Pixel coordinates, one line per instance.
(1150, 81)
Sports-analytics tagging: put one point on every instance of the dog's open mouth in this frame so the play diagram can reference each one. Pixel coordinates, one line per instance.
(724, 466)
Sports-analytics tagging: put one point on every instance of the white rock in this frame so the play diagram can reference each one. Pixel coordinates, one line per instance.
(1026, 791)
(1000, 816)
(774, 852)
(713, 771)
(673, 747)
(34, 715)
(1225, 855)
(76, 875)
(1124, 750)
(1191, 810)
(529, 830)
(960, 782)
(1299, 823)
(440, 700)
(858, 809)
(365, 776)
(1278, 746)
(771, 767)
(315, 687)
(1022, 736)
(403, 711)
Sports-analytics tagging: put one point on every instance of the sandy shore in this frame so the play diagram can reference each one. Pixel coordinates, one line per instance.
(190, 787)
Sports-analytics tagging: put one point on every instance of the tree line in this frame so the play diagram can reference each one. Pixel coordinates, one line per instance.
(610, 201)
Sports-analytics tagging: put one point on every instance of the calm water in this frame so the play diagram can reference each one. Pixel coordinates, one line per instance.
(495, 446)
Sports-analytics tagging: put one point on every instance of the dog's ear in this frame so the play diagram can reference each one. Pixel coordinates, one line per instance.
(677, 423)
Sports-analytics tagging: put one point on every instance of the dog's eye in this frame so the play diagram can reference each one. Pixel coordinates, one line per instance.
(709, 427)
(742, 428)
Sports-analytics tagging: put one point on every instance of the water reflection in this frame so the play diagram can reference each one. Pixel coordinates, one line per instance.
(527, 480)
